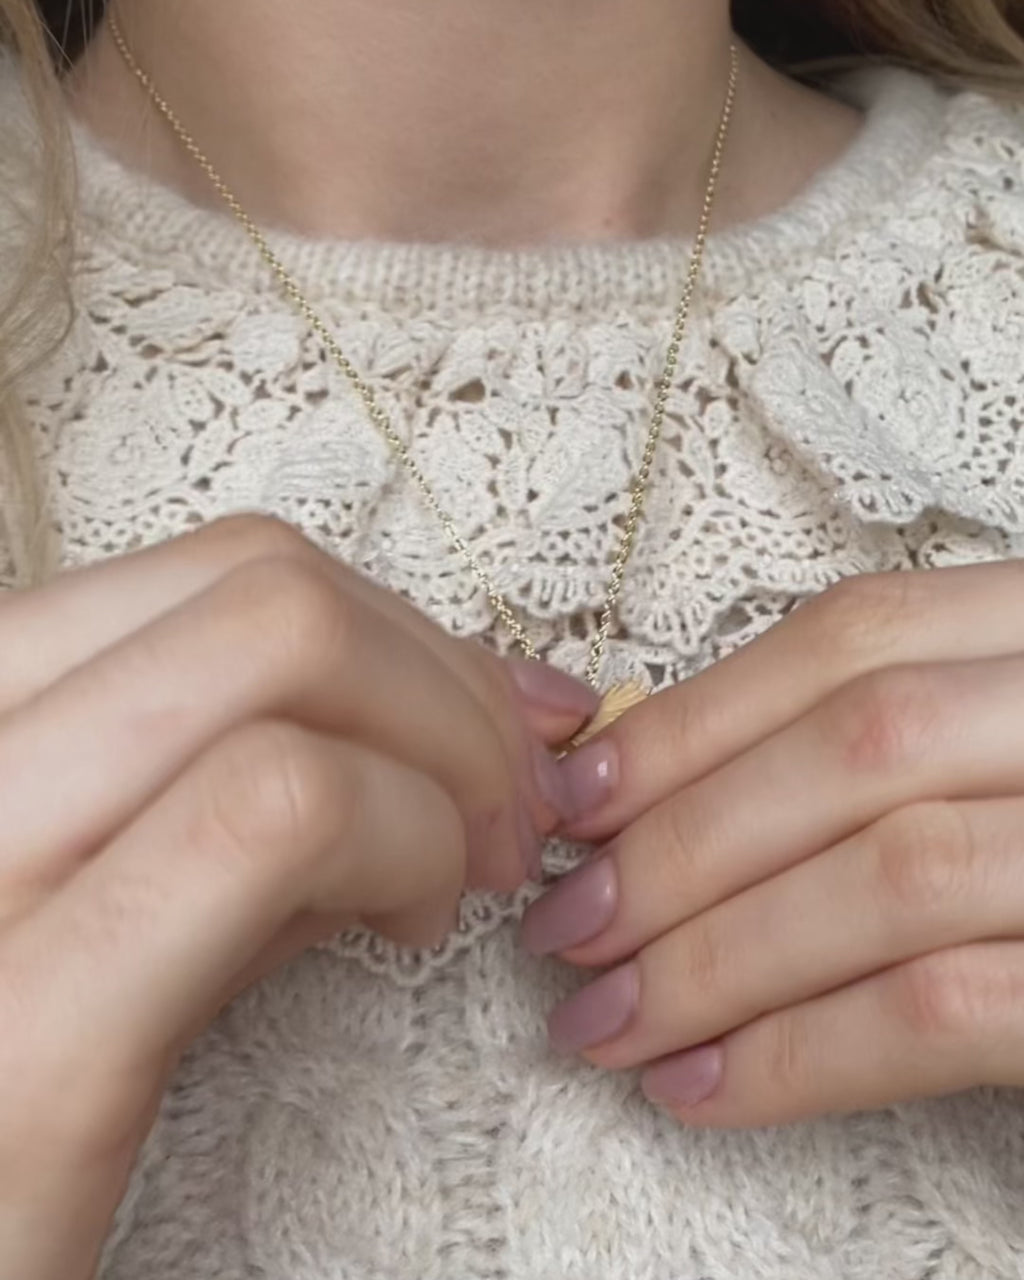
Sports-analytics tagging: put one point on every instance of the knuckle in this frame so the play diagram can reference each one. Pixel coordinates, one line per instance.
(270, 795)
(887, 720)
(689, 723)
(296, 617)
(926, 857)
(946, 998)
(705, 962)
(788, 1054)
(676, 852)
(863, 617)
(235, 539)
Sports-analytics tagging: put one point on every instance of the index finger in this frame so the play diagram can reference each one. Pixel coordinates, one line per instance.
(860, 625)
(47, 632)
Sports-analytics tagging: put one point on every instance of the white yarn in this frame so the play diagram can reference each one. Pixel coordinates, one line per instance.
(851, 399)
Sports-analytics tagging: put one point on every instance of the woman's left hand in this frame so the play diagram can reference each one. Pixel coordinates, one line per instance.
(813, 890)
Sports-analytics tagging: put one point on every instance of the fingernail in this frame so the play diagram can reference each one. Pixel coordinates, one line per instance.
(589, 777)
(578, 908)
(685, 1079)
(599, 1012)
(530, 849)
(552, 690)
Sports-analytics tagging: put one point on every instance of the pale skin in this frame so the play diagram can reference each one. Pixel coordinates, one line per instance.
(811, 895)
(809, 865)
(504, 124)
(232, 786)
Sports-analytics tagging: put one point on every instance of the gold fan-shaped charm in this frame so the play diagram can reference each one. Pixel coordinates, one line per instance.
(618, 700)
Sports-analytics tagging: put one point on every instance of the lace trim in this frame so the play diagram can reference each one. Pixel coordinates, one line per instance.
(858, 411)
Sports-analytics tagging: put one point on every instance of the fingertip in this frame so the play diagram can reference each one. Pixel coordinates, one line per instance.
(683, 1082)
(504, 850)
(555, 704)
(588, 780)
(423, 927)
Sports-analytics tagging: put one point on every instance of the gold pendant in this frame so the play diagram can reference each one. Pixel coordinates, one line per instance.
(618, 700)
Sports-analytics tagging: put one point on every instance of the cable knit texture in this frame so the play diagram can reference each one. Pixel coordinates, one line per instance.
(850, 400)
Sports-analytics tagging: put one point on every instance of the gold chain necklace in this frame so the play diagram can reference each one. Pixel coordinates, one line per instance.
(620, 696)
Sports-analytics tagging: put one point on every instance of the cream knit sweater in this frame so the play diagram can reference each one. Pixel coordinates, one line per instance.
(851, 398)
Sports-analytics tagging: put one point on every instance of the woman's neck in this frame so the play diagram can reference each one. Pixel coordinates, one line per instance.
(505, 122)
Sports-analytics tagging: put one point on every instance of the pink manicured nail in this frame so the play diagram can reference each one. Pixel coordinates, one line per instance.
(599, 1012)
(578, 908)
(589, 776)
(687, 1078)
(552, 690)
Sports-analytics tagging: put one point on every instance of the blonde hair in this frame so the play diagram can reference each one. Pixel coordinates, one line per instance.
(979, 42)
(35, 310)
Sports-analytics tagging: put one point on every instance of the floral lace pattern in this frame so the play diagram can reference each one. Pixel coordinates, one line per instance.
(850, 401)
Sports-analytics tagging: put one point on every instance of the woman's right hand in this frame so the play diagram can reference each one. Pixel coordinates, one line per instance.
(213, 753)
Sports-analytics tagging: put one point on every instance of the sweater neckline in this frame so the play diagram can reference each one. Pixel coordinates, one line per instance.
(149, 223)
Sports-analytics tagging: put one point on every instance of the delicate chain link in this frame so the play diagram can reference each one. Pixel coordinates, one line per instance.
(379, 416)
